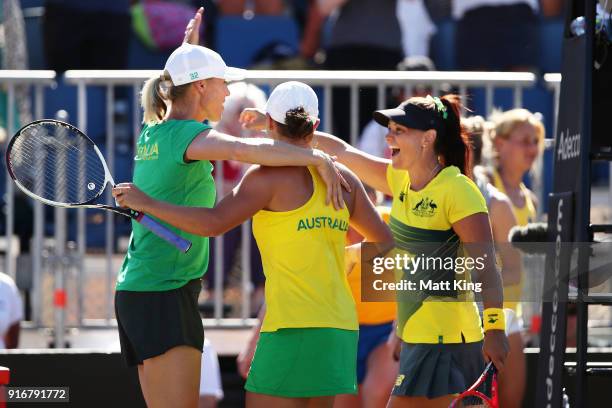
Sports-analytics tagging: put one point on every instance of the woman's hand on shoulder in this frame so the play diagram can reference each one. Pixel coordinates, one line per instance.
(333, 178)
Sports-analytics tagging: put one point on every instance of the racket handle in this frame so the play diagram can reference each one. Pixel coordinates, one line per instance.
(163, 232)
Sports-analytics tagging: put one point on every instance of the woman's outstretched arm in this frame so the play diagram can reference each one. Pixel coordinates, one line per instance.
(213, 145)
(252, 194)
(370, 169)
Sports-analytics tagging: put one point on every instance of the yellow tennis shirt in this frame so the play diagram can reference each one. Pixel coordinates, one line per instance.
(302, 252)
(427, 216)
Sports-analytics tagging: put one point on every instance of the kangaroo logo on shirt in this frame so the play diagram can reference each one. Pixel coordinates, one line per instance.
(425, 208)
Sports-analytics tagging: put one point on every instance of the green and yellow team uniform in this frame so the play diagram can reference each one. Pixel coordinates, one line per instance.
(308, 341)
(437, 332)
(158, 286)
(151, 264)
(427, 216)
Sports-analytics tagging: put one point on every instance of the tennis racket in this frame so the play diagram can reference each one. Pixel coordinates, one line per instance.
(483, 393)
(57, 164)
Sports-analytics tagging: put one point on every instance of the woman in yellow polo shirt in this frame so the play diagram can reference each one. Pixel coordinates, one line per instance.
(308, 343)
(434, 201)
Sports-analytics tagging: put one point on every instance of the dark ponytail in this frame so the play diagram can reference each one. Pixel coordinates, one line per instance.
(452, 142)
(297, 124)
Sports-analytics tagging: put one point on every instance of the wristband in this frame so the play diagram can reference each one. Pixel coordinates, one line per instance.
(494, 319)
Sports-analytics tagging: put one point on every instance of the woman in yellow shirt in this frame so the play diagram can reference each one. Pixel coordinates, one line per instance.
(518, 139)
(308, 345)
(434, 201)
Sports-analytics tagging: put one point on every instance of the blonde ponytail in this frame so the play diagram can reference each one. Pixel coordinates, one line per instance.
(152, 102)
(155, 92)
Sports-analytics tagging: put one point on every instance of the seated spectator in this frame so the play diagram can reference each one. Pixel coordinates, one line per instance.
(416, 27)
(365, 35)
(86, 42)
(496, 35)
(11, 312)
(244, 7)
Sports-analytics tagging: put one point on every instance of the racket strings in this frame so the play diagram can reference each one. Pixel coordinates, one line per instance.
(33, 145)
(472, 401)
(57, 164)
(59, 172)
(63, 175)
(89, 158)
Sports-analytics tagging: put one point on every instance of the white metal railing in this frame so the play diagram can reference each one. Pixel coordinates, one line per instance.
(9, 80)
(324, 79)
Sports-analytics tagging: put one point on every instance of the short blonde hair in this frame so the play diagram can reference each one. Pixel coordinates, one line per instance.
(505, 122)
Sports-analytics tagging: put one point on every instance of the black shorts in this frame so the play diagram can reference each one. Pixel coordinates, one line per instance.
(435, 370)
(151, 323)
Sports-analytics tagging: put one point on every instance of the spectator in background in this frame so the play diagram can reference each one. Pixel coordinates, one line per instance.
(11, 312)
(13, 55)
(365, 35)
(92, 34)
(242, 96)
(551, 8)
(372, 139)
(311, 33)
(249, 8)
(13, 46)
(416, 27)
(496, 35)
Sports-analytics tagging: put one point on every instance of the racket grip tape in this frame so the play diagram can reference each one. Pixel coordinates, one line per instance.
(164, 233)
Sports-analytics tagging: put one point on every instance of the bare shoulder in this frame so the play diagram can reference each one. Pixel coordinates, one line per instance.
(258, 175)
(500, 209)
(498, 196)
(272, 177)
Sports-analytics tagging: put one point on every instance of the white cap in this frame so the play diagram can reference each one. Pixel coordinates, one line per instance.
(291, 95)
(189, 63)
